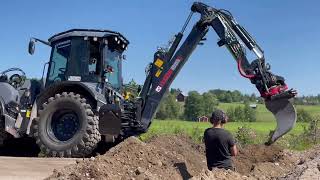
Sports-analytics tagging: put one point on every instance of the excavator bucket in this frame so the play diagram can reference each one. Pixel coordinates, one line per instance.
(285, 114)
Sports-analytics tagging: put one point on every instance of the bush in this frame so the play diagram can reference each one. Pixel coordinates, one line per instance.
(238, 114)
(245, 135)
(309, 137)
(249, 114)
(303, 115)
(312, 132)
(197, 134)
(231, 115)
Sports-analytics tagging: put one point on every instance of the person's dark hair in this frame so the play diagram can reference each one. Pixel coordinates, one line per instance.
(218, 115)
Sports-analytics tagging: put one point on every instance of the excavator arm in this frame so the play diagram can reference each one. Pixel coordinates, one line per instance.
(168, 63)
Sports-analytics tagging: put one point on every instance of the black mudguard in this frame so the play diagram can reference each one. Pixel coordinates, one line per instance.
(110, 119)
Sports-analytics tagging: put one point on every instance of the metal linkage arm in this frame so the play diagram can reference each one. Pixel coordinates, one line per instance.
(168, 63)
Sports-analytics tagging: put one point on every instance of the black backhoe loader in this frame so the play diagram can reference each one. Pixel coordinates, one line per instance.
(80, 99)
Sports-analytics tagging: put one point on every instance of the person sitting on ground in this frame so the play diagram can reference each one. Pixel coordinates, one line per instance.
(220, 144)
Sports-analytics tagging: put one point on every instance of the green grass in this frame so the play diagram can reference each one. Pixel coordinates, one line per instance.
(187, 127)
(314, 110)
(263, 115)
(292, 140)
(168, 126)
(265, 123)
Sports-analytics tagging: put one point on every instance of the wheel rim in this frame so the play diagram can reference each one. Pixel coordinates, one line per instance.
(64, 125)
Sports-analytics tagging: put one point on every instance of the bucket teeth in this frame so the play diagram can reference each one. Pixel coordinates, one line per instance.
(286, 116)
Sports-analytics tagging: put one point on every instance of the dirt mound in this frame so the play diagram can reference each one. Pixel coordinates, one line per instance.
(178, 157)
(263, 161)
(192, 153)
(162, 158)
(308, 166)
(221, 174)
(252, 155)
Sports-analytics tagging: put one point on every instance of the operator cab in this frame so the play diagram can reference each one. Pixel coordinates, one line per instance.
(86, 55)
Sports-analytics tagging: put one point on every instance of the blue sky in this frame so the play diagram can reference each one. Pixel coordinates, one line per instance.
(287, 30)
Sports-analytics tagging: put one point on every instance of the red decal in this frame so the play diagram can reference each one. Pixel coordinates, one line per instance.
(165, 78)
(274, 91)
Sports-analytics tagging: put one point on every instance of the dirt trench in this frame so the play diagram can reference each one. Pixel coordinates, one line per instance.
(178, 157)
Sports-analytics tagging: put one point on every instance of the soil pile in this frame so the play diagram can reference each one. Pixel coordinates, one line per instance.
(308, 166)
(220, 174)
(164, 157)
(178, 157)
(264, 162)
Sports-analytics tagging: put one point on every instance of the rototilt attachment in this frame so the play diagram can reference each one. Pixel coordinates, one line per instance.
(285, 114)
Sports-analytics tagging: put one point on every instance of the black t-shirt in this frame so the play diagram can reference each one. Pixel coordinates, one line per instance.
(218, 143)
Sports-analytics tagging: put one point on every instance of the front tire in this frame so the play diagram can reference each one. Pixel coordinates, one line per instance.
(66, 127)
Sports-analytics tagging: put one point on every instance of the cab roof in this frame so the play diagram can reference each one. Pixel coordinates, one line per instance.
(87, 33)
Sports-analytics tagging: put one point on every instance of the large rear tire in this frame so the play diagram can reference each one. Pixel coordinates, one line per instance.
(66, 127)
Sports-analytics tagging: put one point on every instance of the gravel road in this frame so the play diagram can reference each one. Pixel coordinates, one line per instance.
(12, 168)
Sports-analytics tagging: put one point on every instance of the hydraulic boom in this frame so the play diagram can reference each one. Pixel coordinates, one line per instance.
(168, 63)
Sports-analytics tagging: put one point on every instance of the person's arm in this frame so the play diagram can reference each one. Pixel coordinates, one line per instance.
(232, 146)
(234, 150)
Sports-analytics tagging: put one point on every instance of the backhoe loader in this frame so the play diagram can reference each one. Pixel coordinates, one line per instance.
(79, 100)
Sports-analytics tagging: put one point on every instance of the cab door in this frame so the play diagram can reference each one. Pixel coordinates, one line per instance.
(60, 57)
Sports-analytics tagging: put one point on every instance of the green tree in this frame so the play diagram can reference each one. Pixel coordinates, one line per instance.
(132, 87)
(231, 115)
(249, 114)
(236, 96)
(210, 102)
(193, 106)
(238, 114)
(169, 108)
(228, 97)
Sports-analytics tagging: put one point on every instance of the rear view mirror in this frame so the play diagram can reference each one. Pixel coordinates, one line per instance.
(32, 46)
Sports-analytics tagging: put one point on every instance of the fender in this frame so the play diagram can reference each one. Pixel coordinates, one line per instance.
(91, 91)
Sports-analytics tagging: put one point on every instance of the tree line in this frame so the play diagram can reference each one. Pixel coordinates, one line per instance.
(307, 100)
(197, 104)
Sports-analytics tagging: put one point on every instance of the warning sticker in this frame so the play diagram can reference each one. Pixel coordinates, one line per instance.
(159, 63)
(158, 73)
(167, 76)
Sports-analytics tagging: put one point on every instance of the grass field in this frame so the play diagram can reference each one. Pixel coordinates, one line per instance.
(265, 123)
(196, 130)
(171, 126)
(263, 115)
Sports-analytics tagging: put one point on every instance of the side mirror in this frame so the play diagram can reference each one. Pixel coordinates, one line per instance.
(32, 46)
